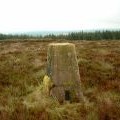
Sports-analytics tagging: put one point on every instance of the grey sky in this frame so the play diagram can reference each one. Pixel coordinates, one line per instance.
(34, 15)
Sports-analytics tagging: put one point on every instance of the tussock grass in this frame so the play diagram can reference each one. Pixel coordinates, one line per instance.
(22, 68)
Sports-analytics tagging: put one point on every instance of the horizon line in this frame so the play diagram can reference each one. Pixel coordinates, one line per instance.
(58, 31)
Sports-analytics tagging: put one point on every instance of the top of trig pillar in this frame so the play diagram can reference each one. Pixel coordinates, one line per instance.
(61, 44)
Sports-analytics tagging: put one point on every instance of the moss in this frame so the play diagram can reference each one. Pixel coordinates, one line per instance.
(47, 84)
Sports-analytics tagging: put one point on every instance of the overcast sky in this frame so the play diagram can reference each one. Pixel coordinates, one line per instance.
(45, 15)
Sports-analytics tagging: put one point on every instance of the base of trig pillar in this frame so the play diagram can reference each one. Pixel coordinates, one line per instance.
(62, 68)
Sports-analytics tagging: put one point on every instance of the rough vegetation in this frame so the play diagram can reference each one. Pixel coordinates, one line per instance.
(23, 66)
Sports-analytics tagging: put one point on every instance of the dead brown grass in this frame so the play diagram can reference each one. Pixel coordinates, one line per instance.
(22, 67)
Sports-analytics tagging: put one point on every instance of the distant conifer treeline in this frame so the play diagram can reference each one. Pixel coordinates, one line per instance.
(96, 35)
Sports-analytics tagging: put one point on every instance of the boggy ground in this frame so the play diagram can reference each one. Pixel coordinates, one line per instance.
(22, 67)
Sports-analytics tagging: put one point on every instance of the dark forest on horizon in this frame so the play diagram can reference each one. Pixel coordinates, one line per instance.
(96, 35)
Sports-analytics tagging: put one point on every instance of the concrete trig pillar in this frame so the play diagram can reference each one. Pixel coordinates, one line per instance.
(62, 68)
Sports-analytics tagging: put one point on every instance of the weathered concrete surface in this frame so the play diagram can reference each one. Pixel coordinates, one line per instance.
(62, 68)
